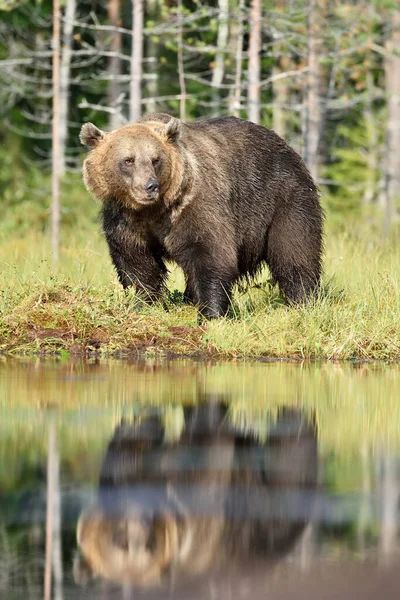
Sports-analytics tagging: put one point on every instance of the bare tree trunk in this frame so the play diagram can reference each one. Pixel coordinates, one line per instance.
(136, 61)
(392, 159)
(181, 70)
(222, 42)
(371, 189)
(372, 140)
(253, 90)
(280, 87)
(313, 109)
(55, 156)
(237, 47)
(65, 72)
(152, 53)
(114, 66)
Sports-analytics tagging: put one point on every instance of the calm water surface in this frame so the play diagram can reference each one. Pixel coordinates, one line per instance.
(193, 480)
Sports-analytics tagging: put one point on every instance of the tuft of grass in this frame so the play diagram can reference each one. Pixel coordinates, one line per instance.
(80, 308)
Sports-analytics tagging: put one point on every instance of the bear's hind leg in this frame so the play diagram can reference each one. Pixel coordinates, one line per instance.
(294, 249)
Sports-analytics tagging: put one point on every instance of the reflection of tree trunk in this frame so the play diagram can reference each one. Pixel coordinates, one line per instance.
(152, 54)
(57, 523)
(53, 520)
(253, 90)
(222, 41)
(135, 99)
(389, 505)
(312, 105)
(65, 72)
(364, 514)
(55, 149)
(114, 67)
(307, 547)
(280, 87)
(372, 141)
(392, 150)
(127, 591)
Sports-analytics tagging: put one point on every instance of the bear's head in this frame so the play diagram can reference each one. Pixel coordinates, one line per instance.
(125, 548)
(139, 165)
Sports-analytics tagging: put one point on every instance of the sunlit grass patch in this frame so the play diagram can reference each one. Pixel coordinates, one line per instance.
(80, 306)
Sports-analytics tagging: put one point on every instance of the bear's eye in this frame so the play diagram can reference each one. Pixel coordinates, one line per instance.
(156, 162)
(129, 162)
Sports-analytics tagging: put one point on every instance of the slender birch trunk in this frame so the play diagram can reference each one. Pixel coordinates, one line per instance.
(222, 42)
(152, 52)
(312, 104)
(55, 156)
(237, 47)
(65, 75)
(181, 69)
(135, 100)
(114, 66)
(373, 146)
(253, 90)
(280, 87)
(392, 146)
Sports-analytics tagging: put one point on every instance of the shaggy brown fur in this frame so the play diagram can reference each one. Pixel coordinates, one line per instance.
(216, 499)
(218, 197)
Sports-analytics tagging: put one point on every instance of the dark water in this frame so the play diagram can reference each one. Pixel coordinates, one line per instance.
(199, 480)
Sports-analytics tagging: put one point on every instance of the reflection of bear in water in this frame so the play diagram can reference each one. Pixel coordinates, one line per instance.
(216, 499)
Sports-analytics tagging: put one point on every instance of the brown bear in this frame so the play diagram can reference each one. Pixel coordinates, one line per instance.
(219, 197)
(213, 503)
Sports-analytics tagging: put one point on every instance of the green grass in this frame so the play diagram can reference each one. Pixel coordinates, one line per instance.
(80, 307)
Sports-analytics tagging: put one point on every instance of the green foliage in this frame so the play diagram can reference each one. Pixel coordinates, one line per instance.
(349, 172)
(352, 73)
(25, 195)
(11, 4)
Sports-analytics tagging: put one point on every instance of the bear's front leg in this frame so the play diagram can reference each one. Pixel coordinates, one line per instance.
(210, 283)
(136, 263)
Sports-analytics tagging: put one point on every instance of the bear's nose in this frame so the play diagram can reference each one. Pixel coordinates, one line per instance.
(152, 186)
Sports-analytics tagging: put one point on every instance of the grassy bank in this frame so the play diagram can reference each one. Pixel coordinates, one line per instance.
(80, 307)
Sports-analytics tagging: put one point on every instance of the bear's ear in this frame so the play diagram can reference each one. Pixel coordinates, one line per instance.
(90, 135)
(171, 130)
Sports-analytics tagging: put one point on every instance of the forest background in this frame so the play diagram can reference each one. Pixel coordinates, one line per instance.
(324, 74)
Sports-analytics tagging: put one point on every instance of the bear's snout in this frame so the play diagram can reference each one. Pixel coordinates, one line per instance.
(152, 187)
